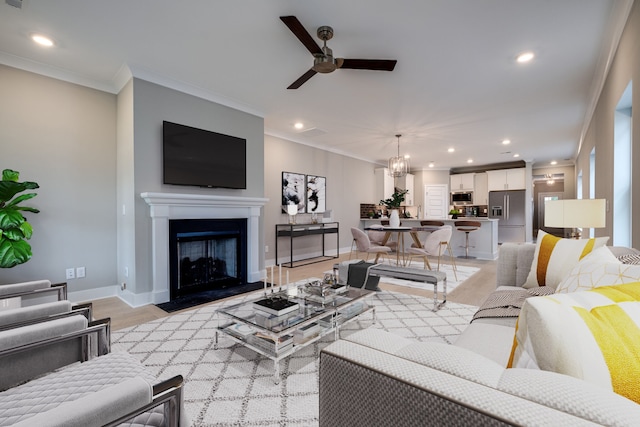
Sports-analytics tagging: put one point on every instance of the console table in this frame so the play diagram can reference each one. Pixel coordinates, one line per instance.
(300, 230)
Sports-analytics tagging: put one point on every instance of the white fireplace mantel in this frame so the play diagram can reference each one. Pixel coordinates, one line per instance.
(168, 206)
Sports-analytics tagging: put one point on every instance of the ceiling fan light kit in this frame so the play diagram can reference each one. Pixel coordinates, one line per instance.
(323, 60)
(398, 166)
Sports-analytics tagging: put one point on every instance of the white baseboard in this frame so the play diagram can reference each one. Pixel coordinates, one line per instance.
(92, 294)
(131, 299)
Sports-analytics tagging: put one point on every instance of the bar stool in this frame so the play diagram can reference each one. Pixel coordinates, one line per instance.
(467, 227)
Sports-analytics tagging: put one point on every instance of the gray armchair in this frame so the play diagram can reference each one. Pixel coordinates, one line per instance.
(39, 313)
(34, 292)
(42, 384)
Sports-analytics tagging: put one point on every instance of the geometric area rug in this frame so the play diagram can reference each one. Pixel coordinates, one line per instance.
(233, 386)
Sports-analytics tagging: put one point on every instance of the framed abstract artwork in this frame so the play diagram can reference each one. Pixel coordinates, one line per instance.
(316, 194)
(293, 191)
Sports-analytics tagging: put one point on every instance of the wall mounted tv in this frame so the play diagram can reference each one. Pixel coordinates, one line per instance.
(203, 158)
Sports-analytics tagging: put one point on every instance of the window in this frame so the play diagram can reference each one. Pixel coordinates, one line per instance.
(622, 170)
(579, 185)
(592, 181)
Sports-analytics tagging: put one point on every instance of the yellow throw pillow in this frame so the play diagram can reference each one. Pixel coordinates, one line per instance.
(592, 335)
(599, 268)
(554, 257)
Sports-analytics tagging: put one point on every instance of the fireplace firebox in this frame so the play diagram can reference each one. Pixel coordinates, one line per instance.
(206, 254)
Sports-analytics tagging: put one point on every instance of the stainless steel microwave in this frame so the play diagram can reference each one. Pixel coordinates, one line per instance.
(462, 198)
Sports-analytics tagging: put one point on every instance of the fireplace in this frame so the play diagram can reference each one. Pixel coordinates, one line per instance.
(165, 207)
(206, 254)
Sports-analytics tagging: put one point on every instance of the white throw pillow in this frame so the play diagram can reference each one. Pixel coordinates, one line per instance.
(554, 257)
(599, 268)
(593, 335)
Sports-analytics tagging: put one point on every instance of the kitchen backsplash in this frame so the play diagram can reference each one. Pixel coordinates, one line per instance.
(473, 210)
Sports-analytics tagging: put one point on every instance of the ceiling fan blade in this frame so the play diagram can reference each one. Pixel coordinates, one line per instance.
(306, 76)
(301, 33)
(367, 64)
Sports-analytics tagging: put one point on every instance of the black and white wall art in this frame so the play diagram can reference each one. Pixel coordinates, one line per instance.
(316, 194)
(293, 190)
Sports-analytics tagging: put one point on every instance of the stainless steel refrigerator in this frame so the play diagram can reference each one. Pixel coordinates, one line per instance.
(509, 208)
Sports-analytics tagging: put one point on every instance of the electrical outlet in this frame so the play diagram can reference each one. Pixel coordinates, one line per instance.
(71, 273)
(123, 286)
(266, 248)
(80, 272)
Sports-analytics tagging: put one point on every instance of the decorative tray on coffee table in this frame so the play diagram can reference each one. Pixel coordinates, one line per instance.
(276, 305)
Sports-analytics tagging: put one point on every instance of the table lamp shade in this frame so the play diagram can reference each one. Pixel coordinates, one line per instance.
(575, 213)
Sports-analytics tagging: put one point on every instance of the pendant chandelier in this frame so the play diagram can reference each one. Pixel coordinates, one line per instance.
(398, 166)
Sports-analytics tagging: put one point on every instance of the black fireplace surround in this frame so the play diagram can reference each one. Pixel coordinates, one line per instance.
(206, 254)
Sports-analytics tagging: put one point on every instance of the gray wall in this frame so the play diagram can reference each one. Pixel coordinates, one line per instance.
(142, 169)
(63, 137)
(624, 69)
(349, 183)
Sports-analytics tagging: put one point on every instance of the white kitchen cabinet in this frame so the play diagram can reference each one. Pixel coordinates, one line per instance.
(481, 189)
(462, 181)
(506, 179)
(384, 184)
(406, 183)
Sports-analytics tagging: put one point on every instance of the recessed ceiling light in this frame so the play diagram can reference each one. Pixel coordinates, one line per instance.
(516, 155)
(298, 125)
(554, 162)
(470, 161)
(42, 40)
(525, 57)
(406, 156)
(451, 150)
(506, 141)
(431, 164)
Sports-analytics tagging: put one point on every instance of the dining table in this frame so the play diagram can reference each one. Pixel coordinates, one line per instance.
(400, 232)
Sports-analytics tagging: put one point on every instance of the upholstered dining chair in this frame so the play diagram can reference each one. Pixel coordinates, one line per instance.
(428, 223)
(436, 243)
(363, 244)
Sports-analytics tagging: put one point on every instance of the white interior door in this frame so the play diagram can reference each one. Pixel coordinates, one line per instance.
(436, 201)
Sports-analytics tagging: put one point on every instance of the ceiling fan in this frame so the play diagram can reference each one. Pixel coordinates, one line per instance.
(323, 61)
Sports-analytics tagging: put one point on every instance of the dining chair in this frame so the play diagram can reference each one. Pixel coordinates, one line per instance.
(436, 243)
(363, 244)
(376, 237)
(428, 223)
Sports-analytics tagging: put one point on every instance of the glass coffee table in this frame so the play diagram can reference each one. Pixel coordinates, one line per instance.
(279, 324)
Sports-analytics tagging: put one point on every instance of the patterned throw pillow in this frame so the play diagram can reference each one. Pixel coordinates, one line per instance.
(554, 257)
(633, 259)
(593, 335)
(599, 268)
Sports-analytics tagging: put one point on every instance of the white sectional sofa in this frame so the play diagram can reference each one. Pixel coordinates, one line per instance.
(375, 378)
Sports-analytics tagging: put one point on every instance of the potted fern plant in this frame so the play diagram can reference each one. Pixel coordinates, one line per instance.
(14, 228)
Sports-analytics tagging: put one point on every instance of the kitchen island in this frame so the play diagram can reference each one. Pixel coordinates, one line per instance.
(483, 243)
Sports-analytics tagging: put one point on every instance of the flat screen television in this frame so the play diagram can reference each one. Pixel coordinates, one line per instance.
(203, 158)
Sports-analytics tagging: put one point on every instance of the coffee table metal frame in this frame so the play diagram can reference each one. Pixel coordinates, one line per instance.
(244, 314)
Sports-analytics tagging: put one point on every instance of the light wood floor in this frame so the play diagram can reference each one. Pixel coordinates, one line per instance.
(473, 291)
